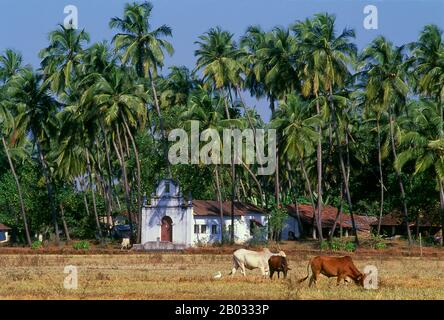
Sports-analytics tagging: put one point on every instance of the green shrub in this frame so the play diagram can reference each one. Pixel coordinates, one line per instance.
(380, 245)
(338, 245)
(36, 245)
(325, 245)
(377, 242)
(81, 245)
(350, 246)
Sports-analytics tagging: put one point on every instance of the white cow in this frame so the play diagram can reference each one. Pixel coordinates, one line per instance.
(125, 243)
(244, 258)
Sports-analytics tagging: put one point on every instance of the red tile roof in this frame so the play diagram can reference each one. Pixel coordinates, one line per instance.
(329, 214)
(4, 228)
(396, 218)
(211, 208)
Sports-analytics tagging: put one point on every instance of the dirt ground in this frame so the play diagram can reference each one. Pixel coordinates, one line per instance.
(115, 274)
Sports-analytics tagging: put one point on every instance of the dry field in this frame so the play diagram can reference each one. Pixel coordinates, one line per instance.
(190, 276)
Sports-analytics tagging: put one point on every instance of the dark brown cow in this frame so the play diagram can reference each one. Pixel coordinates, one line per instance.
(278, 264)
(340, 267)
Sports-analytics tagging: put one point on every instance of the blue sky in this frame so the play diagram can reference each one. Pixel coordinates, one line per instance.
(24, 24)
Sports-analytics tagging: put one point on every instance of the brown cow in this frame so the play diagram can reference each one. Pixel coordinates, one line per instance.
(340, 267)
(277, 264)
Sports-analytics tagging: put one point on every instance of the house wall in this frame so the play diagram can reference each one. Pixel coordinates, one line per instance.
(6, 236)
(241, 228)
(168, 201)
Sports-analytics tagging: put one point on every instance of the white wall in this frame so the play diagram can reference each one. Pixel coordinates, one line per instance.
(167, 204)
(241, 228)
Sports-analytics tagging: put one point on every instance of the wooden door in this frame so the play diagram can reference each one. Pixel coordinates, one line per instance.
(166, 230)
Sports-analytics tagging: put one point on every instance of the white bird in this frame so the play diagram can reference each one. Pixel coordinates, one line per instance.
(218, 275)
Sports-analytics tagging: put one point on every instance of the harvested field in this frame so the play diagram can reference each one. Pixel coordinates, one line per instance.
(128, 275)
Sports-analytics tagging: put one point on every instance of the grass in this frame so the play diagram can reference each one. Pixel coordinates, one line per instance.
(190, 276)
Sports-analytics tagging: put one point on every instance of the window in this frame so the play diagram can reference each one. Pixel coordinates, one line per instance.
(167, 187)
(196, 228)
(214, 229)
(203, 228)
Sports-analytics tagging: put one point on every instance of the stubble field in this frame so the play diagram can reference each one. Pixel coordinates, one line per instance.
(190, 276)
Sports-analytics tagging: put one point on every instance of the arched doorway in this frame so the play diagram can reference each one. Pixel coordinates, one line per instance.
(166, 230)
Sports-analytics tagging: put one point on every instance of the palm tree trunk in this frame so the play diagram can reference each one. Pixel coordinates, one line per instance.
(255, 180)
(162, 130)
(139, 191)
(398, 175)
(108, 162)
(120, 156)
(221, 211)
(93, 193)
(50, 192)
(277, 185)
(319, 169)
(85, 200)
(106, 193)
(233, 191)
(342, 166)
(441, 202)
(233, 171)
(65, 225)
(272, 108)
(381, 177)
(20, 194)
(250, 122)
(310, 191)
(338, 215)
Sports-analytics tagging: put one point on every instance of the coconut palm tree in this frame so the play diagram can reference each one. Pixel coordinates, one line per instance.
(310, 73)
(218, 58)
(6, 124)
(144, 48)
(298, 126)
(209, 111)
(36, 110)
(385, 68)
(10, 65)
(423, 143)
(176, 87)
(11, 62)
(70, 151)
(63, 57)
(336, 54)
(122, 104)
(428, 65)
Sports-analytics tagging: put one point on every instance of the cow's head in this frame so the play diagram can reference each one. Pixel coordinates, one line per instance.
(360, 279)
(285, 266)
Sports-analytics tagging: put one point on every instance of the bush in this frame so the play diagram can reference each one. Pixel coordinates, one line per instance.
(338, 245)
(36, 245)
(81, 245)
(350, 246)
(380, 245)
(377, 242)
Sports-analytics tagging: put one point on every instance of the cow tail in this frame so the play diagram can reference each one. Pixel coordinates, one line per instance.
(308, 272)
